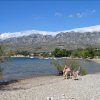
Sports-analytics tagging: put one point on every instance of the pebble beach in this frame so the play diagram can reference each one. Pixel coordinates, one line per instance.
(41, 88)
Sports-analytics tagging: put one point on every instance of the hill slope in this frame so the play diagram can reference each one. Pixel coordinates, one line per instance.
(47, 41)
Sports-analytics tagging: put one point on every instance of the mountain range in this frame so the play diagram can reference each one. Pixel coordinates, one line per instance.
(40, 41)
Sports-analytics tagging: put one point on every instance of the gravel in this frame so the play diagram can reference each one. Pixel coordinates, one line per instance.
(40, 88)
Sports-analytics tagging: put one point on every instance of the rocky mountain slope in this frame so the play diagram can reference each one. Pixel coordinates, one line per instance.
(47, 41)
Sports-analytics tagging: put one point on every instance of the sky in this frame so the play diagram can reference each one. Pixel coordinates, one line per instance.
(48, 15)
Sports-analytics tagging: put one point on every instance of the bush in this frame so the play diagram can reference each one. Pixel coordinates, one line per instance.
(72, 63)
(83, 72)
(59, 65)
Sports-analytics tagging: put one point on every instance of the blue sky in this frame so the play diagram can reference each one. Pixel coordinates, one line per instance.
(48, 15)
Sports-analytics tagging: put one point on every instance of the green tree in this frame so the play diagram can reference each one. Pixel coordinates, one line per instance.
(91, 52)
(61, 52)
(84, 53)
(57, 52)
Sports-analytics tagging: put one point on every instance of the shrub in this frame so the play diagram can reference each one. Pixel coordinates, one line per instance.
(83, 72)
(59, 65)
(72, 63)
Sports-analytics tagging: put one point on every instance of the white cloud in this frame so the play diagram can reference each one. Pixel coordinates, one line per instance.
(82, 14)
(58, 14)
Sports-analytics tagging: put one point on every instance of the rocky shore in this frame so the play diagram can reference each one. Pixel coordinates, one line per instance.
(39, 88)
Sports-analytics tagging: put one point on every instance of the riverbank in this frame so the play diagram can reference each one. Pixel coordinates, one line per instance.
(97, 60)
(38, 88)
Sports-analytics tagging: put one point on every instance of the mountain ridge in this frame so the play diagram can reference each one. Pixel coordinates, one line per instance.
(84, 37)
(8, 35)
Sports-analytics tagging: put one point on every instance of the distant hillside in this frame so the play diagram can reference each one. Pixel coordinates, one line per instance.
(37, 42)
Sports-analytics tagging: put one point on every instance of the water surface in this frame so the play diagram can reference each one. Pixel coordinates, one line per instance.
(16, 68)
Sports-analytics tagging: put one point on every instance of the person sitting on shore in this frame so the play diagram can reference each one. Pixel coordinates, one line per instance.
(66, 70)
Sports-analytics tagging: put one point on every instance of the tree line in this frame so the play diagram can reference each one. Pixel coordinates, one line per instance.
(80, 52)
(58, 52)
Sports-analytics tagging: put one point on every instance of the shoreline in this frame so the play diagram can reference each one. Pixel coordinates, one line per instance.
(39, 88)
(94, 59)
(97, 60)
(11, 81)
(17, 81)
